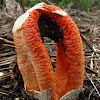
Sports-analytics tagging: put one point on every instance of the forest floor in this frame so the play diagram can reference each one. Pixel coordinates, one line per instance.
(11, 83)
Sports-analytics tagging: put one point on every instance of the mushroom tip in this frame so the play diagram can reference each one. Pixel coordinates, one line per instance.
(37, 6)
(19, 22)
(60, 12)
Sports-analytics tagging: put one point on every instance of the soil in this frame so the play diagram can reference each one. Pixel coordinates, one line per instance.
(11, 82)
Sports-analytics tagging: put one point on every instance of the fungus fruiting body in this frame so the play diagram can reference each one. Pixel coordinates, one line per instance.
(32, 56)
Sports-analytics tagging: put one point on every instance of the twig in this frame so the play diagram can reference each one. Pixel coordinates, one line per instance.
(90, 94)
(7, 60)
(6, 68)
(6, 92)
(8, 45)
(98, 81)
(47, 1)
(3, 79)
(94, 78)
(84, 30)
(92, 70)
(7, 86)
(5, 50)
(91, 62)
(7, 54)
(85, 15)
(86, 92)
(86, 42)
(92, 84)
(6, 41)
(5, 63)
(6, 75)
(21, 4)
(3, 93)
(11, 58)
(50, 43)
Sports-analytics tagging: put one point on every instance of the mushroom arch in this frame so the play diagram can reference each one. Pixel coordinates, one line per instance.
(32, 56)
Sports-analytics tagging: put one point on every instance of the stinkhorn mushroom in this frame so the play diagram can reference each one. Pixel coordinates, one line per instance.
(33, 59)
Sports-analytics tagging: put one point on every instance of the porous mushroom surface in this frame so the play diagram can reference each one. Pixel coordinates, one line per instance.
(33, 59)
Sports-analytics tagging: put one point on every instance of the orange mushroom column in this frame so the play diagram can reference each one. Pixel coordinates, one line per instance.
(33, 59)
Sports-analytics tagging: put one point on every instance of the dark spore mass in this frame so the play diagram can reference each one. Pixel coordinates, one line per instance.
(50, 29)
